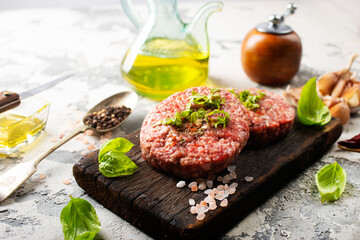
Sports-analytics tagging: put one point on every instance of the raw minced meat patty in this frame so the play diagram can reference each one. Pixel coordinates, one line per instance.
(271, 121)
(175, 151)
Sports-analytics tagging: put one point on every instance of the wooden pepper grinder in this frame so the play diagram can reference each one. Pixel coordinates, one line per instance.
(271, 52)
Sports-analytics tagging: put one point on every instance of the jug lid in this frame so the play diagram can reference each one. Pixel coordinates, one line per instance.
(276, 24)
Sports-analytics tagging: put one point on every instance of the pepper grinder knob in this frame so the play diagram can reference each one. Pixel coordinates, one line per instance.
(275, 20)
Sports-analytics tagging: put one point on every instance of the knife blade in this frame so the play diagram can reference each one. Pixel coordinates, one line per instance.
(9, 100)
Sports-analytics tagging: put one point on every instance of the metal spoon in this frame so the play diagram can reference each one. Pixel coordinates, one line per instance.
(11, 180)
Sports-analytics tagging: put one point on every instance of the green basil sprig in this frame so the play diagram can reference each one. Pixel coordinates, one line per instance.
(112, 159)
(311, 110)
(331, 181)
(79, 220)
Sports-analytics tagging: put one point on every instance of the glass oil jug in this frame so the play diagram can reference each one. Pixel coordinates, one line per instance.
(167, 55)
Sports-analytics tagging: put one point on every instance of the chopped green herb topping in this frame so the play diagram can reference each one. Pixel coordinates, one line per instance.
(222, 118)
(198, 111)
(248, 99)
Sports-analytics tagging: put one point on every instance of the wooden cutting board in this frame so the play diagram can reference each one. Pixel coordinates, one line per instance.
(151, 201)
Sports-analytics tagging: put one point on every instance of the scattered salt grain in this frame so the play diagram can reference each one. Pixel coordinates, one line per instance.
(192, 184)
(231, 168)
(193, 210)
(194, 188)
(181, 184)
(202, 186)
(226, 178)
(219, 197)
(249, 179)
(220, 187)
(66, 181)
(219, 178)
(61, 135)
(203, 203)
(54, 139)
(80, 137)
(226, 187)
(83, 153)
(200, 216)
(91, 147)
(224, 203)
(209, 183)
(200, 210)
(232, 190)
(207, 191)
(234, 185)
(42, 176)
(209, 199)
(233, 174)
(212, 206)
(191, 202)
(85, 141)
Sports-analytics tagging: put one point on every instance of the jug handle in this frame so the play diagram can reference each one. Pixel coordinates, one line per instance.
(132, 14)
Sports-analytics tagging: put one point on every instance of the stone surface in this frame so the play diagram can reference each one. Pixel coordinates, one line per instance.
(38, 45)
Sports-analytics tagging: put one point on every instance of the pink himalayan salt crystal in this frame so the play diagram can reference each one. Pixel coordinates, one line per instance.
(224, 203)
(192, 184)
(42, 176)
(212, 206)
(191, 202)
(226, 178)
(91, 147)
(193, 210)
(207, 191)
(194, 188)
(200, 216)
(233, 175)
(83, 153)
(249, 179)
(66, 181)
(231, 168)
(232, 190)
(209, 183)
(234, 185)
(181, 184)
(202, 186)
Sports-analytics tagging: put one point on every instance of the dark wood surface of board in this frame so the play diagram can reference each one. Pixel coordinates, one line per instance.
(151, 201)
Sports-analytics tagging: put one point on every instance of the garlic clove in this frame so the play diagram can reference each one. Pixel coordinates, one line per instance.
(352, 96)
(330, 101)
(341, 111)
(338, 88)
(292, 95)
(326, 83)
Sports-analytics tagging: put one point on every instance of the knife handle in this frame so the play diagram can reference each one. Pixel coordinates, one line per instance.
(8, 100)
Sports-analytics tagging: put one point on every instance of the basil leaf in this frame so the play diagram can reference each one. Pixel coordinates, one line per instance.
(114, 164)
(79, 220)
(118, 144)
(331, 181)
(311, 110)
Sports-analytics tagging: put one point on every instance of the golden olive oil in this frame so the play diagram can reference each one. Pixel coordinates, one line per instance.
(15, 129)
(165, 66)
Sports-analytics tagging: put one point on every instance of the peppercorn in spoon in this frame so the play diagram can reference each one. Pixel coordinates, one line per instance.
(104, 117)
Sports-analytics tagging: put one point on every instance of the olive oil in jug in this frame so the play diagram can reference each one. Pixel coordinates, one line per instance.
(156, 75)
(167, 54)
